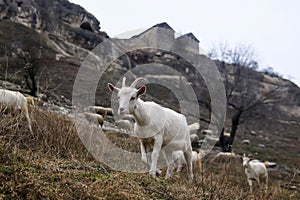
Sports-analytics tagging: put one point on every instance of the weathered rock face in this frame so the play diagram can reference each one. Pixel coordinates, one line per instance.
(60, 18)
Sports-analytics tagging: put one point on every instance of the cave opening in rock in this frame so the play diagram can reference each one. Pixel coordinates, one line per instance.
(86, 26)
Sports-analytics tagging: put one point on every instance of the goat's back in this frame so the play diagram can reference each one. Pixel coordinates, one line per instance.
(257, 168)
(12, 98)
(164, 119)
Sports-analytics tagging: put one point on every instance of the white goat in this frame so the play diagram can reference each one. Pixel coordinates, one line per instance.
(93, 117)
(15, 100)
(256, 170)
(156, 127)
(179, 160)
(124, 124)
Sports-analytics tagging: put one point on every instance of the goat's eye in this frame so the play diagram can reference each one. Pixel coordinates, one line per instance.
(132, 98)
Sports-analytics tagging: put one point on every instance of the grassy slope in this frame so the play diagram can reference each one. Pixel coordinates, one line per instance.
(52, 163)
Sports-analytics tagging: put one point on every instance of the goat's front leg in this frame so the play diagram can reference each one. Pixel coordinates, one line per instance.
(144, 149)
(154, 157)
(250, 184)
(144, 153)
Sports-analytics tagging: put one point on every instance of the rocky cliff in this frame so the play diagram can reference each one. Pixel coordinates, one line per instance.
(68, 28)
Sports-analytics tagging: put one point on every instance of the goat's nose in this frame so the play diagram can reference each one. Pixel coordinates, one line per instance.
(121, 109)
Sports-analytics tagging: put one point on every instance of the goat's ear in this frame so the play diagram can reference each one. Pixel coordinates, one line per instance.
(141, 90)
(112, 88)
(241, 157)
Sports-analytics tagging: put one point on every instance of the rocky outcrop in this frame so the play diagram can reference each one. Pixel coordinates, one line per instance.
(59, 18)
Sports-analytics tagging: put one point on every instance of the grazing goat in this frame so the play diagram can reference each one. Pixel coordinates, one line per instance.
(256, 170)
(179, 160)
(93, 117)
(101, 110)
(156, 126)
(15, 100)
(225, 156)
(124, 124)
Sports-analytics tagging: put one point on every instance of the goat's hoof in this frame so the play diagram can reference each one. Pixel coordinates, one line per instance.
(158, 172)
(152, 173)
(191, 179)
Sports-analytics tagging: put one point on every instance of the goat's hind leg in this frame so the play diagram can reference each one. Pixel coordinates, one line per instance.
(170, 161)
(188, 159)
(25, 110)
(266, 182)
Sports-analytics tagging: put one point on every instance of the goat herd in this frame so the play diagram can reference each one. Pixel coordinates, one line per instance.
(157, 128)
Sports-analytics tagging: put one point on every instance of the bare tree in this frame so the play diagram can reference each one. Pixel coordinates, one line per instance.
(243, 91)
(30, 60)
(238, 55)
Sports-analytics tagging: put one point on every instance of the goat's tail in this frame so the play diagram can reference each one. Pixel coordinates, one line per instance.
(194, 126)
(270, 164)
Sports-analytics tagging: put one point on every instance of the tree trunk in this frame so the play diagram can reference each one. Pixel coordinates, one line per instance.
(234, 125)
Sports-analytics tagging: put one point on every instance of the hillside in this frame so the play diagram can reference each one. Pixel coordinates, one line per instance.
(55, 37)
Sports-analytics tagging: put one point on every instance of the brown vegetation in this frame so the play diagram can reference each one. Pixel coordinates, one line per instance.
(54, 164)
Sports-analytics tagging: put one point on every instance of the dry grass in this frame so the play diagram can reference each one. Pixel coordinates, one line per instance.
(54, 164)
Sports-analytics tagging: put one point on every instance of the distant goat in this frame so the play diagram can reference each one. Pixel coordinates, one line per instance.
(206, 131)
(94, 118)
(129, 117)
(15, 100)
(194, 138)
(246, 142)
(155, 126)
(124, 124)
(256, 170)
(193, 127)
(101, 110)
(225, 156)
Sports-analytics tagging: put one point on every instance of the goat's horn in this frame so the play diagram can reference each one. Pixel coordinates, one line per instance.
(124, 82)
(133, 84)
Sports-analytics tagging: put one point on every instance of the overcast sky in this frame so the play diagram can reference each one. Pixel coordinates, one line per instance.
(271, 27)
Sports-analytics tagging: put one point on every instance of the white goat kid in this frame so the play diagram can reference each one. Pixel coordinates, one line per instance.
(15, 100)
(156, 127)
(179, 160)
(255, 170)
